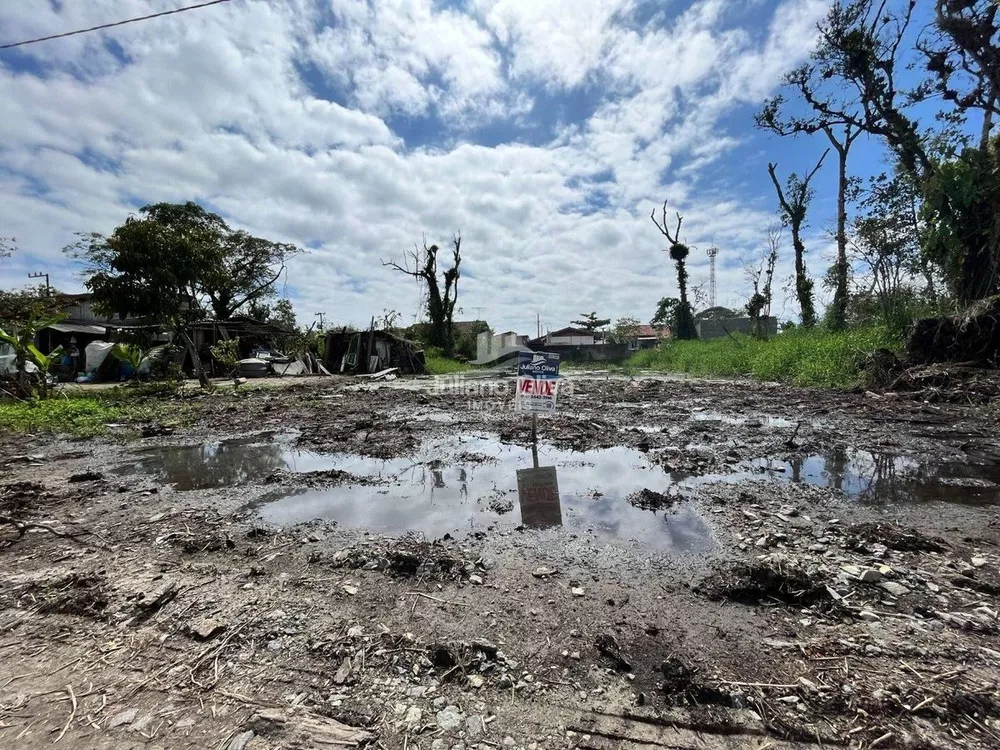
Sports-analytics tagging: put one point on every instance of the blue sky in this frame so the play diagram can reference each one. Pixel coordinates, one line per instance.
(544, 131)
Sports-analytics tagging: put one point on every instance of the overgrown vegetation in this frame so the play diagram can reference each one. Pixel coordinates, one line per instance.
(438, 364)
(807, 357)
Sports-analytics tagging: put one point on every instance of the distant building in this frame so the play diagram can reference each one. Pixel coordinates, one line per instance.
(493, 346)
(649, 337)
(570, 337)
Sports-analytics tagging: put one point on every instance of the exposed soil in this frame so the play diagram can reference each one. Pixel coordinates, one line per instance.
(828, 576)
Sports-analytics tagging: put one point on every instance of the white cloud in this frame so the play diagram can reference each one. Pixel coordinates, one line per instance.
(213, 105)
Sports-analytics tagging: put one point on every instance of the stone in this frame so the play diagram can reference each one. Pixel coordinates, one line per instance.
(895, 589)
(543, 572)
(343, 672)
(240, 741)
(449, 718)
(355, 632)
(350, 589)
(122, 717)
(274, 645)
(474, 726)
(476, 580)
(207, 628)
(414, 715)
(476, 681)
(439, 703)
(509, 741)
(978, 562)
(577, 591)
(817, 547)
(870, 575)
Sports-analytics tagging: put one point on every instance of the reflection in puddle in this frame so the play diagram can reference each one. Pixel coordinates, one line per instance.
(889, 478)
(228, 463)
(474, 486)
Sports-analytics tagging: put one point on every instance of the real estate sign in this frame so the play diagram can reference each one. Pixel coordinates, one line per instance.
(537, 382)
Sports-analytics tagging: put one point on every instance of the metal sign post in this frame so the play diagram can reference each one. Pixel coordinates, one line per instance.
(537, 387)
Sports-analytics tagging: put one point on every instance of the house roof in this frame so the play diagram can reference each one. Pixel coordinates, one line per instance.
(89, 330)
(649, 332)
(570, 331)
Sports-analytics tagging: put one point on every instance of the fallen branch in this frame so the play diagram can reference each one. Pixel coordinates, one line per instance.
(24, 527)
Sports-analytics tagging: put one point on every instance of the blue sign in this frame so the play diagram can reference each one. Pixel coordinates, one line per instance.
(537, 381)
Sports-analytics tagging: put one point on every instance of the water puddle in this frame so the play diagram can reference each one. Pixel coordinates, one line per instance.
(769, 422)
(229, 463)
(471, 484)
(889, 478)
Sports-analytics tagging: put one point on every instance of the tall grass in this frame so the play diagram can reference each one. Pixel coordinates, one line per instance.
(438, 364)
(802, 357)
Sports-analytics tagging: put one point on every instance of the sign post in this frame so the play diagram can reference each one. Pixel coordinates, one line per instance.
(537, 387)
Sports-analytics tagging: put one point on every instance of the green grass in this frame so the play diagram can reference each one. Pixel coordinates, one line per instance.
(78, 417)
(438, 364)
(809, 358)
(88, 415)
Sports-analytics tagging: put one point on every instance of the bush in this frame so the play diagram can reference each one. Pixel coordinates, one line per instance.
(799, 356)
(438, 364)
(79, 417)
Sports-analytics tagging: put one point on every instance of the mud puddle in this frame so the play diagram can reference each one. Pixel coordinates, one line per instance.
(469, 484)
(886, 478)
(229, 463)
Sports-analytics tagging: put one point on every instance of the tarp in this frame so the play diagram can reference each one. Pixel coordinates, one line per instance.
(79, 328)
(95, 353)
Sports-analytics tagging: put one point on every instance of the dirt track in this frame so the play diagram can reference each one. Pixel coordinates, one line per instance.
(820, 569)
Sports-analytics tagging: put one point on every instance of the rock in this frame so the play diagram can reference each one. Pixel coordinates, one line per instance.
(543, 572)
(474, 726)
(122, 717)
(414, 715)
(476, 681)
(350, 589)
(356, 632)
(439, 744)
(240, 741)
(476, 580)
(509, 741)
(817, 548)
(449, 718)
(439, 703)
(870, 575)
(577, 591)
(978, 562)
(86, 476)
(343, 672)
(207, 628)
(274, 645)
(895, 589)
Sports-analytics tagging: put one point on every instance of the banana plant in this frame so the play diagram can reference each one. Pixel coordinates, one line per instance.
(130, 354)
(25, 351)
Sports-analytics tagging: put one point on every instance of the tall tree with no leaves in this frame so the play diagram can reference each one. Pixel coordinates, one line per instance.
(678, 253)
(761, 277)
(794, 202)
(442, 294)
(841, 133)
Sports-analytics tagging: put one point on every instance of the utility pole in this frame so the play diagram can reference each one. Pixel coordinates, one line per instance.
(538, 325)
(40, 275)
(320, 316)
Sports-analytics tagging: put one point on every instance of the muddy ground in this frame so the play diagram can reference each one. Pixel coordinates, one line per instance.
(733, 564)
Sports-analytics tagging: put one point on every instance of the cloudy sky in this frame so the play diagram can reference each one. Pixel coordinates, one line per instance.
(545, 131)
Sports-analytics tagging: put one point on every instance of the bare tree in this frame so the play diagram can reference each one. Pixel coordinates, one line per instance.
(442, 294)
(794, 203)
(678, 253)
(761, 275)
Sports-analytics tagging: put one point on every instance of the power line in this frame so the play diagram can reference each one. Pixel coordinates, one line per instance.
(110, 25)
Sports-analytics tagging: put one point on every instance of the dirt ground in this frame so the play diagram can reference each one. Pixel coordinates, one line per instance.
(841, 589)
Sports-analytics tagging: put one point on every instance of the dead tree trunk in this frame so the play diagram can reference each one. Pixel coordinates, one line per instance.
(838, 311)
(678, 252)
(793, 214)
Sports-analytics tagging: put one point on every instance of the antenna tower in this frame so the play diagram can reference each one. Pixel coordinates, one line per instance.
(713, 252)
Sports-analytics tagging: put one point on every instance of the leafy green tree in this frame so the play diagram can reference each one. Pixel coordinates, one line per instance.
(666, 314)
(625, 329)
(794, 203)
(282, 315)
(685, 328)
(590, 322)
(441, 294)
(863, 49)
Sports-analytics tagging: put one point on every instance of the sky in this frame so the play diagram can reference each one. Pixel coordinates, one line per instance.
(544, 131)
